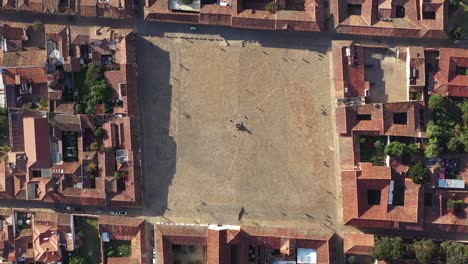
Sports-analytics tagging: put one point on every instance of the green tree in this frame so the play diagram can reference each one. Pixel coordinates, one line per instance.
(436, 101)
(77, 260)
(455, 252)
(434, 130)
(119, 175)
(94, 146)
(458, 33)
(5, 147)
(418, 172)
(454, 3)
(271, 7)
(425, 250)
(379, 144)
(90, 107)
(388, 248)
(4, 126)
(464, 139)
(78, 109)
(396, 149)
(37, 25)
(351, 260)
(92, 88)
(124, 250)
(454, 204)
(412, 148)
(455, 145)
(99, 90)
(98, 132)
(432, 149)
(42, 104)
(91, 168)
(464, 109)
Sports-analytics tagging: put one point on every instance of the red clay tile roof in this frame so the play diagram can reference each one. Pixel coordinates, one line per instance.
(12, 32)
(348, 71)
(129, 229)
(372, 11)
(219, 239)
(358, 244)
(27, 58)
(37, 142)
(238, 15)
(355, 191)
(381, 122)
(417, 65)
(449, 83)
(26, 76)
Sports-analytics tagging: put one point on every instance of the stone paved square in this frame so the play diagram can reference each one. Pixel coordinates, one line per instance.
(199, 167)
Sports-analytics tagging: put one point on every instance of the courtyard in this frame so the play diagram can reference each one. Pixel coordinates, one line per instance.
(199, 168)
(387, 76)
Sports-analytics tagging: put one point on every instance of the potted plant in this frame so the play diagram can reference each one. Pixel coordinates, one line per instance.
(454, 205)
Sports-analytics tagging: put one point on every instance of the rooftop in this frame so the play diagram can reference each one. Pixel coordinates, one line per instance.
(223, 243)
(389, 18)
(307, 15)
(452, 77)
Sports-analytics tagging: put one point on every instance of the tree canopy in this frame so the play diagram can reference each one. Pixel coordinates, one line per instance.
(91, 88)
(418, 172)
(271, 7)
(77, 260)
(388, 248)
(425, 250)
(454, 252)
(4, 126)
(448, 132)
(398, 149)
(455, 204)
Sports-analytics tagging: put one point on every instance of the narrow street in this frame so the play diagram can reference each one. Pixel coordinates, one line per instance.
(271, 39)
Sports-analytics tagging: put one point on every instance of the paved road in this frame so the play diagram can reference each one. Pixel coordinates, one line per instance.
(265, 37)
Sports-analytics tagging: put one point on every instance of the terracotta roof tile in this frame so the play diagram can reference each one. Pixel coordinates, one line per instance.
(28, 58)
(448, 81)
(379, 18)
(359, 244)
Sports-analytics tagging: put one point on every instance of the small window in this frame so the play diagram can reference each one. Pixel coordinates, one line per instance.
(354, 10)
(36, 173)
(400, 12)
(30, 245)
(429, 15)
(373, 197)
(400, 118)
(428, 199)
(364, 117)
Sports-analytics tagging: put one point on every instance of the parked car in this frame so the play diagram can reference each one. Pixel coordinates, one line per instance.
(114, 213)
(193, 28)
(122, 212)
(100, 211)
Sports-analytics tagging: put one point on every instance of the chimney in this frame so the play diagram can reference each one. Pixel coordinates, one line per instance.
(17, 79)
